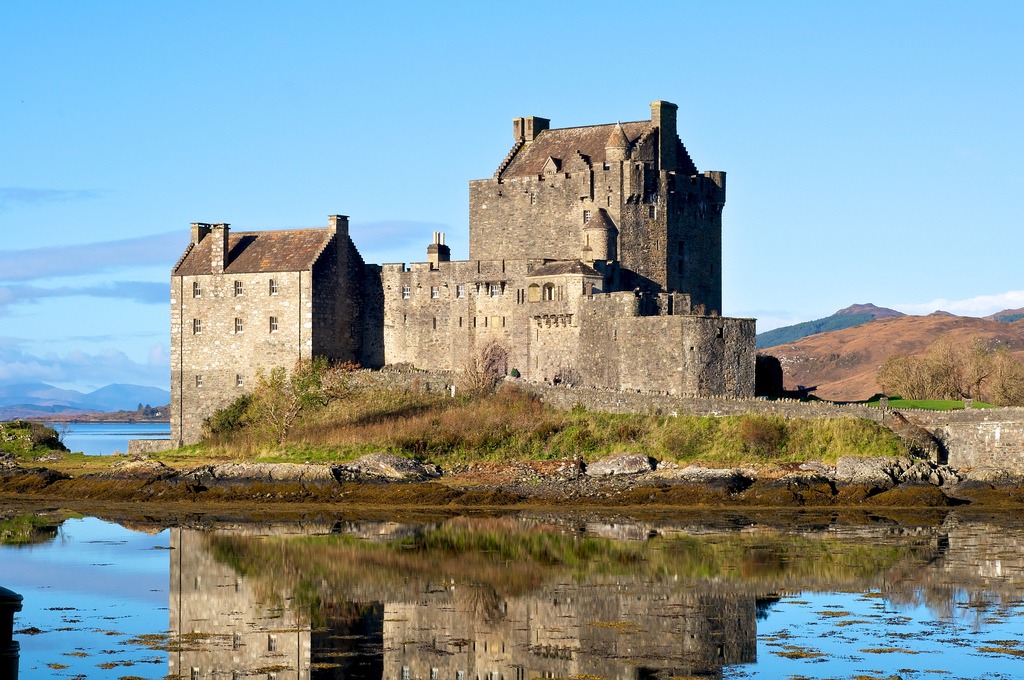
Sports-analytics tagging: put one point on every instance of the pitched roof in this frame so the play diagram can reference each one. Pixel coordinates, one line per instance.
(259, 251)
(559, 267)
(590, 141)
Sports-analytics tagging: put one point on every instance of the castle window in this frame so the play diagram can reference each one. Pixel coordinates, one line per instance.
(586, 216)
(533, 293)
(197, 326)
(195, 673)
(239, 382)
(720, 332)
(238, 325)
(435, 292)
(460, 291)
(549, 291)
(435, 674)
(271, 643)
(273, 286)
(273, 324)
(199, 381)
(652, 211)
(607, 166)
(681, 266)
(406, 292)
(236, 641)
(435, 323)
(197, 290)
(238, 288)
(495, 289)
(460, 322)
(533, 199)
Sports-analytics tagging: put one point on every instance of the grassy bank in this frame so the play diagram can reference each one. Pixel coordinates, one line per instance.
(511, 424)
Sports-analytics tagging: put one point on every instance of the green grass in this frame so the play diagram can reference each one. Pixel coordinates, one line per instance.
(928, 404)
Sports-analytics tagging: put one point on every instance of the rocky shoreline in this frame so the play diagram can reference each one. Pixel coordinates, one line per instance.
(625, 480)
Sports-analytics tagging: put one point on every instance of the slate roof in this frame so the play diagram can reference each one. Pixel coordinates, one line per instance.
(602, 220)
(564, 142)
(259, 251)
(560, 267)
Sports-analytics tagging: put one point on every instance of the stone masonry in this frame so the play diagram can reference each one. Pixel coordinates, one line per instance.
(595, 259)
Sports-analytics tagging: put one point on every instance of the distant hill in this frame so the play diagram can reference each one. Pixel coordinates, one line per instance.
(843, 364)
(37, 399)
(1007, 315)
(854, 315)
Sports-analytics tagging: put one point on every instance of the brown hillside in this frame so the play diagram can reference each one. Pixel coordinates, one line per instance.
(843, 363)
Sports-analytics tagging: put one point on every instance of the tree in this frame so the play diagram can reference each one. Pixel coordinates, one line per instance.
(947, 370)
(281, 398)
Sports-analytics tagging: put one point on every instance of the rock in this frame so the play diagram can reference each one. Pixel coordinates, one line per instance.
(228, 474)
(620, 464)
(879, 472)
(394, 468)
(141, 467)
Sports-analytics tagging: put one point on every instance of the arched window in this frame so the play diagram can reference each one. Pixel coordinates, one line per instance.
(533, 293)
(549, 291)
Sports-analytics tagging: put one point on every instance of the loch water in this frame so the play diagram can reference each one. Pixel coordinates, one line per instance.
(517, 597)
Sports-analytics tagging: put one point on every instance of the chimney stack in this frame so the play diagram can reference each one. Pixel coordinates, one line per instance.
(219, 248)
(438, 251)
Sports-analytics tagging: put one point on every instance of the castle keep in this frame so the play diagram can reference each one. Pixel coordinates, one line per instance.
(595, 259)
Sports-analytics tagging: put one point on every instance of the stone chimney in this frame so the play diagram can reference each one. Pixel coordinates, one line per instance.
(200, 230)
(663, 117)
(339, 225)
(527, 129)
(438, 251)
(219, 248)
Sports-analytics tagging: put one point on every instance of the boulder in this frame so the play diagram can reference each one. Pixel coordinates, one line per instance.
(620, 464)
(390, 467)
(878, 472)
(228, 474)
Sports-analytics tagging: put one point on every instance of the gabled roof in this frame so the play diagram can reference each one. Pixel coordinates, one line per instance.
(259, 251)
(561, 267)
(590, 141)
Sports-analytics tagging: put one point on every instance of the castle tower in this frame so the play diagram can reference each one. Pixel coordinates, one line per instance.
(616, 149)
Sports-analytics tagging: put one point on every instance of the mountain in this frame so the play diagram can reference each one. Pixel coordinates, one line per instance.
(854, 315)
(1008, 315)
(20, 400)
(126, 397)
(843, 364)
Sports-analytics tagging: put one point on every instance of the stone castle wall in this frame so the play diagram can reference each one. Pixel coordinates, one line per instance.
(212, 367)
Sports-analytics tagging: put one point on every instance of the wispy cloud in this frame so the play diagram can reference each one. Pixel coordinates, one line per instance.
(88, 258)
(100, 368)
(980, 305)
(394, 240)
(12, 196)
(144, 292)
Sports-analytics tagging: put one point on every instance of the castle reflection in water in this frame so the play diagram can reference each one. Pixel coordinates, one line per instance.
(505, 599)
(229, 625)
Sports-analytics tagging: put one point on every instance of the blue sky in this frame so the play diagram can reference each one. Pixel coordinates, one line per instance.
(874, 150)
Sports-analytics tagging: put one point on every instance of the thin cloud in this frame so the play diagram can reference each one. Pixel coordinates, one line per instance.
(102, 368)
(143, 292)
(394, 240)
(979, 305)
(89, 258)
(13, 196)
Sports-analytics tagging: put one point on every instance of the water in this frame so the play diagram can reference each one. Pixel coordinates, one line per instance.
(520, 597)
(99, 439)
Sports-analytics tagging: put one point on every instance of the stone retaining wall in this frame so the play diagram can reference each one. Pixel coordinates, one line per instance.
(142, 447)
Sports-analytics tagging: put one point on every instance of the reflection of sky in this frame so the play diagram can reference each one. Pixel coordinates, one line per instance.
(115, 582)
(840, 626)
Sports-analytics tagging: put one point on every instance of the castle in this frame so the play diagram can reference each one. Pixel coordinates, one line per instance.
(595, 259)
